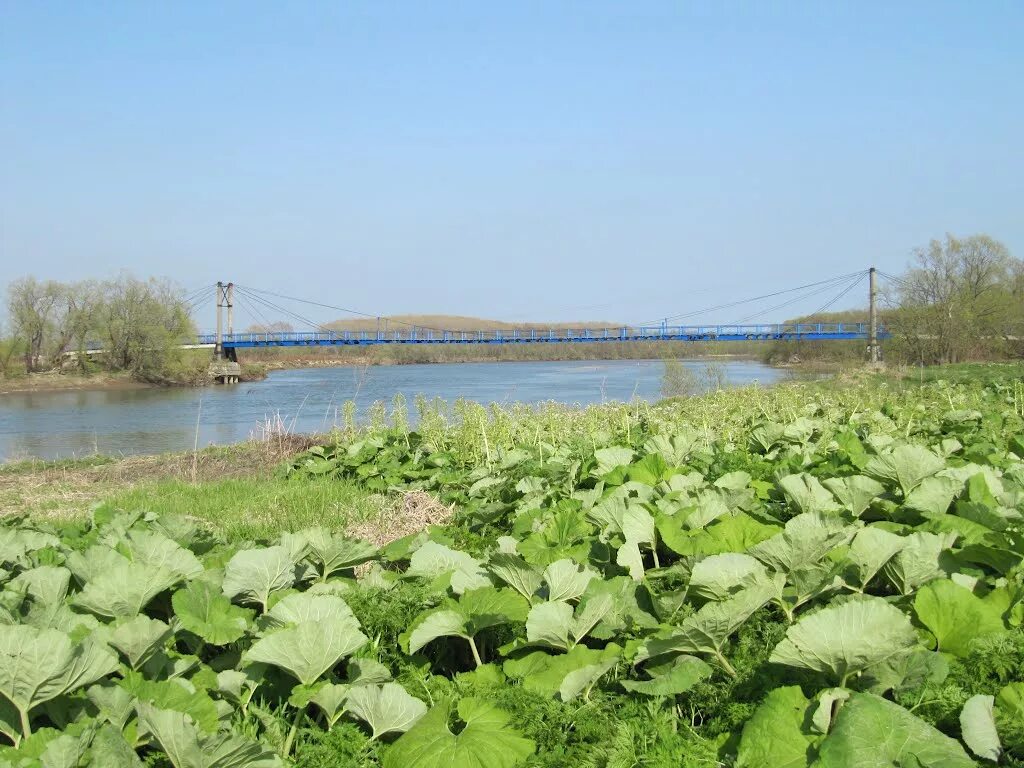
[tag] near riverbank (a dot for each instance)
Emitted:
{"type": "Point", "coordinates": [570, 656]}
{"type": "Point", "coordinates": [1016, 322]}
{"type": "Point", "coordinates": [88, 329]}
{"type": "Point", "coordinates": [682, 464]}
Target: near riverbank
{"type": "Point", "coordinates": [60, 381]}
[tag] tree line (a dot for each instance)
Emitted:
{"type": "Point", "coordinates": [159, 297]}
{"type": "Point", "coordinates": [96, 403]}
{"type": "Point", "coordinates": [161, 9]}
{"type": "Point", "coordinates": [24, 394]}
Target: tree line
{"type": "Point", "coordinates": [139, 324]}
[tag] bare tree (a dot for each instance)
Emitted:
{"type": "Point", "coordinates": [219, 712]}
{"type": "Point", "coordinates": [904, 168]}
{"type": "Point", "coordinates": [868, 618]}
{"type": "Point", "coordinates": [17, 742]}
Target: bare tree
{"type": "Point", "coordinates": [9, 348]}
{"type": "Point", "coordinates": [32, 306]}
{"type": "Point", "coordinates": [142, 323]}
{"type": "Point", "coordinates": [957, 297]}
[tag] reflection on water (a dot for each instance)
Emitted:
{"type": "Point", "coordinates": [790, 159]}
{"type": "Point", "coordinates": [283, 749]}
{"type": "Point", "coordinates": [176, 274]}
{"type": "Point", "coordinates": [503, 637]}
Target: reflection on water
{"type": "Point", "coordinates": [65, 424]}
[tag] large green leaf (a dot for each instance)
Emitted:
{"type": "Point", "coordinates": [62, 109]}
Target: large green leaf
{"type": "Point", "coordinates": [186, 747]}
{"type": "Point", "coordinates": [920, 560]}
{"type": "Point", "coordinates": [709, 628]}
{"type": "Point", "coordinates": [674, 450]}
{"type": "Point", "coordinates": [204, 611]}
{"type": "Point", "coordinates": [45, 585]}
{"type": "Point", "coordinates": [955, 615]}
{"type": "Point", "coordinates": [484, 741]}
{"type": "Point", "coordinates": [49, 748]}
{"type": "Point", "coordinates": [125, 588]}
{"type": "Point", "coordinates": [675, 677]}
{"type": "Point", "coordinates": [138, 638]}
{"type": "Point", "coordinates": [805, 493]}
{"type": "Point", "coordinates": [114, 703]}
{"type": "Point", "coordinates": [433, 560]}
{"type": "Point", "coordinates": [331, 553]}
{"type": "Point", "coordinates": [806, 539]}
{"type": "Point", "coordinates": [778, 734]}
{"type": "Point", "coordinates": [848, 638]}
{"type": "Point", "coordinates": [475, 611]}
{"type": "Point", "coordinates": [176, 694]}
{"type": "Point", "coordinates": [16, 543]}
{"type": "Point", "coordinates": [307, 650]}
{"type": "Point", "coordinates": [905, 467]}
{"type": "Point", "coordinates": [523, 577]}
{"type": "Point", "coordinates": [252, 575]}
{"type": "Point", "coordinates": [734, 533]}
{"type": "Point", "coordinates": [556, 625]}
{"type": "Point", "coordinates": [610, 458]}
{"type": "Point", "coordinates": [906, 672]}
{"type": "Point", "coordinates": [110, 748]}
{"type": "Point", "coordinates": [871, 549]}
{"type": "Point", "coordinates": [854, 493]}
{"type": "Point", "coordinates": [978, 727]}
{"type": "Point", "coordinates": [386, 708]}
{"type": "Point", "coordinates": [38, 665]}
{"type": "Point", "coordinates": [330, 699]}
{"type": "Point", "coordinates": [567, 580]}
{"type": "Point", "coordinates": [546, 673]}
{"type": "Point", "coordinates": [155, 549]}
{"type": "Point", "coordinates": [430, 625]}
{"type": "Point", "coordinates": [582, 680]}
{"type": "Point", "coordinates": [301, 607]}
{"type": "Point", "coordinates": [720, 576]}
{"type": "Point", "coordinates": [93, 562]}
{"type": "Point", "coordinates": [933, 496]}
{"type": "Point", "coordinates": [871, 732]}
{"type": "Point", "coordinates": [616, 603]}
{"type": "Point", "coordinates": [1011, 700]}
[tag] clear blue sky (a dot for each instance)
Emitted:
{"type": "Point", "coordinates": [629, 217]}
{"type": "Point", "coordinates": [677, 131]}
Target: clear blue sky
{"type": "Point", "coordinates": [522, 160]}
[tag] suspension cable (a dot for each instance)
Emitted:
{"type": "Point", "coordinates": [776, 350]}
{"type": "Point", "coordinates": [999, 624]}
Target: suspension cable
{"type": "Point", "coordinates": [304, 321]}
{"type": "Point", "coordinates": [824, 307]}
{"type": "Point", "coordinates": [801, 297]}
{"type": "Point", "coordinates": [829, 283]}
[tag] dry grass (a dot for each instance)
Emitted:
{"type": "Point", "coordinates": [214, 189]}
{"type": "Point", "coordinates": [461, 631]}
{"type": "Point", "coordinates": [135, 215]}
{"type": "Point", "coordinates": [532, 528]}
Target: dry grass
{"type": "Point", "coordinates": [416, 511]}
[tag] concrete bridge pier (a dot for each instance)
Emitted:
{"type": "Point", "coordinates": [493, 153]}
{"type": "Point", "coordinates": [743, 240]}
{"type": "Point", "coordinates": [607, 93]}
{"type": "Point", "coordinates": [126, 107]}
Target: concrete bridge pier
{"type": "Point", "coordinates": [225, 371]}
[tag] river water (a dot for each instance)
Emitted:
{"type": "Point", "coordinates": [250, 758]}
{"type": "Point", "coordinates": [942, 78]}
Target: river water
{"type": "Point", "coordinates": [114, 422]}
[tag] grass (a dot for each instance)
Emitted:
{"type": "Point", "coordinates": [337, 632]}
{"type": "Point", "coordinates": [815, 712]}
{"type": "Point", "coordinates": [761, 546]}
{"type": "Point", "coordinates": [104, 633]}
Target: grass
{"type": "Point", "coordinates": [961, 373]}
{"type": "Point", "coordinates": [71, 487]}
{"type": "Point", "coordinates": [234, 489]}
{"type": "Point", "coordinates": [244, 509]}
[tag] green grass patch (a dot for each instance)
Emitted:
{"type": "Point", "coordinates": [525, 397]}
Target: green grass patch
{"type": "Point", "coordinates": [251, 509]}
{"type": "Point", "coordinates": [29, 466]}
{"type": "Point", "coordinates": [963, 373]}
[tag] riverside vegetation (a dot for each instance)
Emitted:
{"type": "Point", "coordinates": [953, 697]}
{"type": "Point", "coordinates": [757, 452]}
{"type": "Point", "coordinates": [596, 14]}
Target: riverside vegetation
{"type": "Point", "coordinates": [814, 575]}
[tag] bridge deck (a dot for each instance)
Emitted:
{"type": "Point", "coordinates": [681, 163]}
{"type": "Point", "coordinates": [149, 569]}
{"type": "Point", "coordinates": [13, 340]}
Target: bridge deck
{"type": "Point", "coordinates": [774, 332]}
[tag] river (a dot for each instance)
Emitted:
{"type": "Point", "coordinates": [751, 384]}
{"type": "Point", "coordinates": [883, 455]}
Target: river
{"type": "Point", "coordinates": [66, 424]}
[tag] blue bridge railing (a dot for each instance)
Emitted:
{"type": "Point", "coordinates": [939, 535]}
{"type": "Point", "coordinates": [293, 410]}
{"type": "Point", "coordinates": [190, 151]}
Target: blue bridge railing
{"type": "Point", "coordinates": [414, 335]}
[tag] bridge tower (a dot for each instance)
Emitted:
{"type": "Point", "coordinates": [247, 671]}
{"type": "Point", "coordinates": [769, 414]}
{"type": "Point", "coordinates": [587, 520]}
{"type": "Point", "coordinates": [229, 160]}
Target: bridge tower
{"type": "Point", "coordinates": [874, 351]}
{"type": "Point", "coordinates": [225, 368]}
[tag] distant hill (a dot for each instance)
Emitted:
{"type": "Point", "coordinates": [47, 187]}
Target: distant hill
{"type": "Point", "coordinates": [845, 316]}
{"type": "Point", "coordinates": [456, 323]}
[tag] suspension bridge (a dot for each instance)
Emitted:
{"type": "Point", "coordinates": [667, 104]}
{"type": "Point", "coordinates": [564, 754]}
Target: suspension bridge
{"type": "Point", "coordinates": [225, 341]}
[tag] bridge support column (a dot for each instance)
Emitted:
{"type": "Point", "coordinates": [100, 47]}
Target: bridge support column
{"type": "Point", "coordinates": [218, 345]}
{"type": "Point", "coordinates": [873, 350]}
{"type": "Point", "coordinates": [225, 372]}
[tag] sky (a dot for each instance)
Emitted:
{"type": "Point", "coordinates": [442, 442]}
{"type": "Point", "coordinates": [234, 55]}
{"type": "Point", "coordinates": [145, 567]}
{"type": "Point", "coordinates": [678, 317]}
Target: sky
{"type": "Point", "coordinates": [617, 161]}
